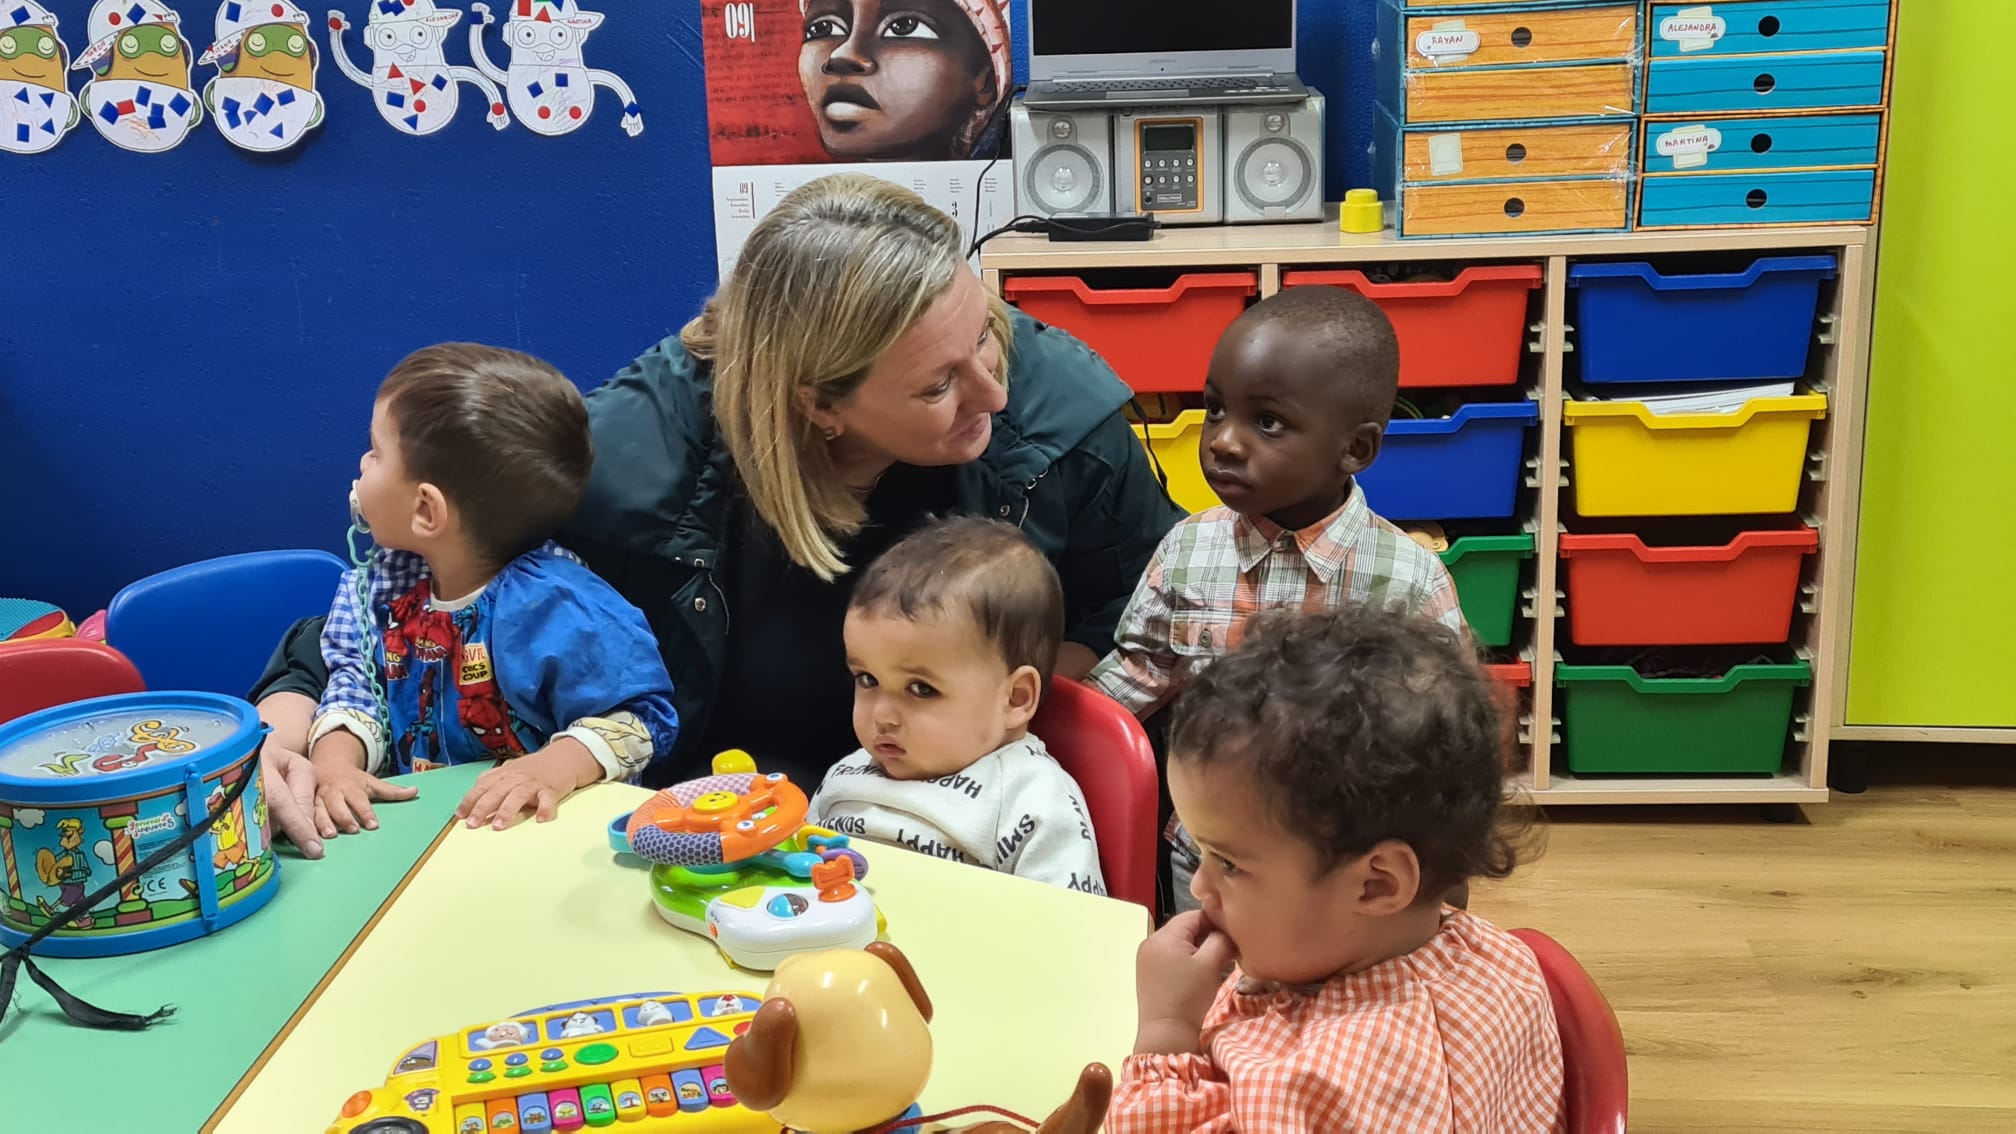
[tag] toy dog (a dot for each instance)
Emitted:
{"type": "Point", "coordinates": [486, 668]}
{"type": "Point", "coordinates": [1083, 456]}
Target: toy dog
{"type": "Point", "coordinates": [842, 1044]}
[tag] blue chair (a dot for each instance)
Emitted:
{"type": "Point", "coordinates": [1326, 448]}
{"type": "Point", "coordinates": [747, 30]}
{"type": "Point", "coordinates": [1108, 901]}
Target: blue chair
{"type": "Point", "coordinates": [212, 626]}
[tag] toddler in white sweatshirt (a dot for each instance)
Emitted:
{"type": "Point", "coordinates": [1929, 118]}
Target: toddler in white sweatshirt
{"type": "Point", "coordinates": [951, 637]}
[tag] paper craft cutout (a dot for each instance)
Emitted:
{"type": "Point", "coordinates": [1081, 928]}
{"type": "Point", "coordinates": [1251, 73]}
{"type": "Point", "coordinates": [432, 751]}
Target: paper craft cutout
{"type": "Point", "coordinates": [411, 81]}
{"type": "Point", "coordinates": [550, 88]}
{"type": "Point", "coordinates": [36, 106]}
{"type": "Point", "coordinates": [263, 97]}
{"type": "Point", "coordinates": [139, 95]}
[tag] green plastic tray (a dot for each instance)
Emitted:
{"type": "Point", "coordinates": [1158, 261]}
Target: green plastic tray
{"type": "Point", "coordinates": [1615, 720]}
{"type": "Point", "coordinates": [1485, 570]}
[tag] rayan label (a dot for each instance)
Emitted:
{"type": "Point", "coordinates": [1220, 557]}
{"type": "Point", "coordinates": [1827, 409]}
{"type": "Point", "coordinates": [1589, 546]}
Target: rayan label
{"type": "Point", "coordinates": [1443, 42]}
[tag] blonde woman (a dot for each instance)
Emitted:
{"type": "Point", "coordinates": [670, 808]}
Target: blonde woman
{"type": "Point", "coordinates": [849, 379]}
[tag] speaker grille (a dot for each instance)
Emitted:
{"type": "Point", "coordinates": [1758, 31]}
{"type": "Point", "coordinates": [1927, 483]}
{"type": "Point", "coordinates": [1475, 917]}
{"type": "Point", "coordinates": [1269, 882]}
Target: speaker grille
{"type": "Point", "coordinates": [1273, 173]}
{"type": "Point", "coordinates": [1062, 179]}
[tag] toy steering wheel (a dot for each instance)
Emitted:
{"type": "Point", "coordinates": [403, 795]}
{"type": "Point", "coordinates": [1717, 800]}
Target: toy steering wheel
{"type": "Point", "coordinates": [723, 818]}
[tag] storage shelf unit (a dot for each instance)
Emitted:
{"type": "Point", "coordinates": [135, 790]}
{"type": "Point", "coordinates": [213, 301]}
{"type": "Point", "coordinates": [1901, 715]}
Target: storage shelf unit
{"type": "Point", "coordinates": [1840, 372]}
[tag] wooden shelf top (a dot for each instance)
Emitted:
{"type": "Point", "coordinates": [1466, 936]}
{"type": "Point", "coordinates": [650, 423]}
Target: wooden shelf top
{"type": "Point", "coordinates": [1786, 787]}
{"type": "Point", "coordinates": [1320, 242]}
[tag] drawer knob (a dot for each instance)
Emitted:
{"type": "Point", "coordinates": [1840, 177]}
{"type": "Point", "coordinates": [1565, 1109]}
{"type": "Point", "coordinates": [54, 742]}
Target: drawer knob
{"type": "Point", "coordinates": [1522, 37]}
{"type": "Point", "coordinates": [1768, 26]}
{"type": "Point", "coordinates": [1760, 144]}
{"type": "Point", "coordinates": [1756, 198]}
{"type": "Point", "coordinates": [1515, 153]}
{"type": "Point", "coordinates": [1515, 208]}
{"type": "Point", "coordinates": [1765, 83]}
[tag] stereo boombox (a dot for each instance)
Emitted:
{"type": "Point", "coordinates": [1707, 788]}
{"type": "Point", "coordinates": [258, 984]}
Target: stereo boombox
{"type": "Point", "coordinates": [1187, 165]}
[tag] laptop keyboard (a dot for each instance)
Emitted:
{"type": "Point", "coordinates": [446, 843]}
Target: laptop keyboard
{"type": "Point", "coordinates": [1254, 83]}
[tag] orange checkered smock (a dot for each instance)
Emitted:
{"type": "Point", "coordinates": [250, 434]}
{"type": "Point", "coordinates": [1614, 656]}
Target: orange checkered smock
{"type": "Point", "coordinates": [1458, 1035]}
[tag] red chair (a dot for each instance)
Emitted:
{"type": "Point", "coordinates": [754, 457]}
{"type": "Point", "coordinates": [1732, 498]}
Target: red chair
{"type": "Point", "coordinates": [1596, 1083]}
{"type": "Point", "coordinates": [48, 672]}
{"type": "Point", "coordinates": [1104, 749]}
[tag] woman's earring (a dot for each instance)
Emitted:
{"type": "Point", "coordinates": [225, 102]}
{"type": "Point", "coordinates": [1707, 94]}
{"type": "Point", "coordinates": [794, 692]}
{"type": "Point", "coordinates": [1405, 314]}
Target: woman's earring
{"type": "Point", "coordinates": [832, 434]}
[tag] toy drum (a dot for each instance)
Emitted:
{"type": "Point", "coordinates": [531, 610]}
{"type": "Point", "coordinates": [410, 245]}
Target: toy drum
{"type": "Point", "coordinates": [90, 790]}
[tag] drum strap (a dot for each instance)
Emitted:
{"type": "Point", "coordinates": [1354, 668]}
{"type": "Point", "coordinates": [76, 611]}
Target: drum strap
{"type": "Point", "coordinates": [90, 1015]}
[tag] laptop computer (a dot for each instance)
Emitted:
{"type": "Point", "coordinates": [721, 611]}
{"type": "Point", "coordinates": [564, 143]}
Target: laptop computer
{"type": "Point", "coordinates": [1096, 53]}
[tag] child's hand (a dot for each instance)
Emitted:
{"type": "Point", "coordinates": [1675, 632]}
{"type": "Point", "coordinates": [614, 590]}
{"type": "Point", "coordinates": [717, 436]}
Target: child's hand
{"type": "Point", "coordinates": [539, 781]}
{"type": "Point", "coordinates": [344, 791]}
{"type": "Point", "coordinates": [1177, 972]}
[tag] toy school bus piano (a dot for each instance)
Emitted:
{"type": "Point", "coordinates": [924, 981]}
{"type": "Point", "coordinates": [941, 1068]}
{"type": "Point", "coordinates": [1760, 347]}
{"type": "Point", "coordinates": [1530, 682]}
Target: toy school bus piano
{"type": "Point", "coordinates": [647, 1062]}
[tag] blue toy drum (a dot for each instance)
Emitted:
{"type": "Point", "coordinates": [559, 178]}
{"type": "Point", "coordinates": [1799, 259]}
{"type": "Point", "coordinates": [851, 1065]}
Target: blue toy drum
{"type": "Point", "coordinates": [90, 790]}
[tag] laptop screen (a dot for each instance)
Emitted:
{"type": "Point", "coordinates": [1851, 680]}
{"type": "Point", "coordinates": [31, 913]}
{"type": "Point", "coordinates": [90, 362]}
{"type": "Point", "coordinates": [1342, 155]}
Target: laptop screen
{"type": "Point", "coordinates": [1136, 27]}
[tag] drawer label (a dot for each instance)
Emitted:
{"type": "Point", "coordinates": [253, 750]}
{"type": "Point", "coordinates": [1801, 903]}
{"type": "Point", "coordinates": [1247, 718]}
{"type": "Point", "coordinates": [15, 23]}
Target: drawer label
{"type": "Point", "coordinates": [1448, 42]}
{"type": "Point", "coordinates": [1445, 155]}
{"type": "Point", "coordinates": [1689, 146]}
{"type": "Point", "coordinates": [1694, 29]}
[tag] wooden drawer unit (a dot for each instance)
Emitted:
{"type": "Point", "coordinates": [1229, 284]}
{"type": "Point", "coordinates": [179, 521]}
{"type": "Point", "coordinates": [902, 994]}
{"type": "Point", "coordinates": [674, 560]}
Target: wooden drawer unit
{"type": "Point", "coordinates": [1767, 26]}
{"type": "Point", "coordinates": [1751, 84]}
{"type": "Point", "coordinates": [1514, 207]}
{"type": "Point", "coordinates": [1514, 38]}
{"type": "Point", "coordinates": [1728, 145]}
{"type": "Point", "coordinates": [1589, 149]}
{"type": "Point", "coordinates": [1590, 91]}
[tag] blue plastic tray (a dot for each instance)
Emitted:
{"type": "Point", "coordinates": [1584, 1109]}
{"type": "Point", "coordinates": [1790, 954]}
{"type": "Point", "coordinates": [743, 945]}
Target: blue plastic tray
{"type": "Point", "coordinates": [1634, 324]}
{"type": "Point", "coordinates": [1462, 467]}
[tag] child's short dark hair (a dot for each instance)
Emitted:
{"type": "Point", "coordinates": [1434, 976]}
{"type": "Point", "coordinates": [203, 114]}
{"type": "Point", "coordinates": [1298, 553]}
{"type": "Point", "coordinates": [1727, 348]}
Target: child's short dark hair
{"type": "Point", "coordinates": [503, 435]}
{"type": "Point", "coordinates": [1360, 725]}
{"type": "Point", "coordinates": [981, 568]}
{"type": "Point", "coordinates": [1350, 332]}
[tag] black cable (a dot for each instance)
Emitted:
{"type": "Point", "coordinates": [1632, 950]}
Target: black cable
{"type": "Point", "coordinates": [1154, 462]}
{"type": "Point", "coordinates": [1024, 222]}
{"type": "Point", "coordinates": [1000, 146]}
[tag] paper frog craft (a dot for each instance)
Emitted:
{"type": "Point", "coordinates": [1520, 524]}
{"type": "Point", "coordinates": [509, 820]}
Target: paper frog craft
{"type": "Point", "coordinates": [550, 88]}
{"type": "Point", "coordinates": [411, 81]}
{"type": "Point", "coordinates": [36, 107]}
{"type": "Point", "coordinates": [139, 96]}
{"type": "Point", "coordinates": [264, 96]}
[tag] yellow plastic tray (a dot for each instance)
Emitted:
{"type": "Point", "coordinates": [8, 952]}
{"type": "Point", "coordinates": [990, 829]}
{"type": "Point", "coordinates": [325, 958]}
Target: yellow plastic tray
{"type": "Point", "coordinates": [1174, 445]}
{"type": "Point", "coordinates": [1629, 461]}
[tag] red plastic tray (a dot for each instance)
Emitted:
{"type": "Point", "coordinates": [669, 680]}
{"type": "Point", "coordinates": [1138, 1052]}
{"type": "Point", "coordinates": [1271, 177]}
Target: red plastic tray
{"type": "Point", "coordinates": [1508, 678]}
{"type": "Point", "coordinates": [1623, 593]}
{"type": "Point", "coordinates": [1469, 331]}
{"type": "Point", "coordinates": [1159, 340]}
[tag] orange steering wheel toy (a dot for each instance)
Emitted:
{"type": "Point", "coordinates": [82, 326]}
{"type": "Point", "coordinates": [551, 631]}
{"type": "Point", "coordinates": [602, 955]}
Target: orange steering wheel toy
{"type": "Point", "coordinates": [732, 859]}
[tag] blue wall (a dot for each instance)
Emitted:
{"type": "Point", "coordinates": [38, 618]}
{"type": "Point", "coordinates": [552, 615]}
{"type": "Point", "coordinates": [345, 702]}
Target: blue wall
{"type": "Point", "coordinates": [189, 341]}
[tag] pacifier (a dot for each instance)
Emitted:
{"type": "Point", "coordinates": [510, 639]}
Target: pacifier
{"type": "Point", "coordinates": [357, 512]}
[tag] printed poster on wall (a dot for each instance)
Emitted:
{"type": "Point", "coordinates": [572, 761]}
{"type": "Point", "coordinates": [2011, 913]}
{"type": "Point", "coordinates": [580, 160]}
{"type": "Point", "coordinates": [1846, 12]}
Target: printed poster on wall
{"type": "Point", "coordinates": [916, 93]}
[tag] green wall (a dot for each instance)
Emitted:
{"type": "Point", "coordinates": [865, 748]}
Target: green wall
{"type": "Point", "coordinates": [1934, 635]}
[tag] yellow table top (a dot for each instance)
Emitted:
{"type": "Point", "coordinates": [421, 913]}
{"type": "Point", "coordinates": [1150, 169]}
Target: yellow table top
{"type": "Point", "coordinates": [1030, 982]}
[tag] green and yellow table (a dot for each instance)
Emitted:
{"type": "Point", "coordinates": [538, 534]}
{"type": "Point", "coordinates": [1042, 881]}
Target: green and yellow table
{"type": "Point", "coordinates": [397, 936]}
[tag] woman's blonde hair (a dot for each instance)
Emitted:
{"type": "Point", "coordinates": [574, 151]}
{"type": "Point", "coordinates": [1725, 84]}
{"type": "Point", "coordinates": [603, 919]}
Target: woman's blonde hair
{"type": "Point", "coordinates": [826, 283]}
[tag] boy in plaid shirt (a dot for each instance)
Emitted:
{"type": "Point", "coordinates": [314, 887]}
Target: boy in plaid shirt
{"type": "Point", "coordinates": [1340, 771]}
{"type": "Point", "coordinates": [1296, 402]}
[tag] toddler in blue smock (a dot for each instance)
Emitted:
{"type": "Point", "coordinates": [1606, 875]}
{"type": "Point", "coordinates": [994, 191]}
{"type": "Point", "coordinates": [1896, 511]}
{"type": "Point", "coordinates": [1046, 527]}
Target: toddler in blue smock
{"type": "Point", "coordinates": [470, 636]}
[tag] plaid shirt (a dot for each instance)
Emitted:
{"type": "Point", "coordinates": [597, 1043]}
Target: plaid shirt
{"type": "Point", "coordinates": [1217, 569]}
{"type": "Point", "coordinates": [392, 573]}
{"type": "Point", "coordinates": [1457, 1036]}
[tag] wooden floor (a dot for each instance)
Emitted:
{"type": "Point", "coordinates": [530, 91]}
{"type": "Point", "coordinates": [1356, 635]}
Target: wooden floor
{"type": "Point", "coordinates": [1855, 971]}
